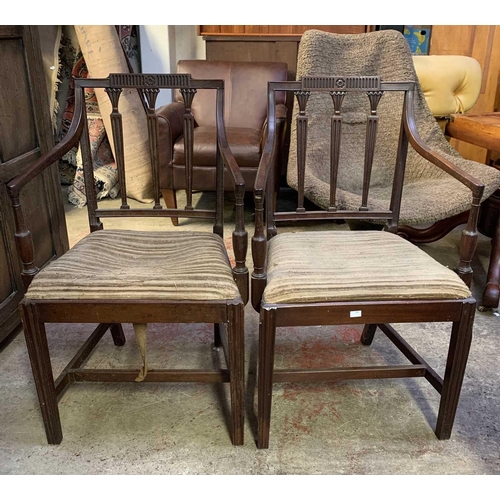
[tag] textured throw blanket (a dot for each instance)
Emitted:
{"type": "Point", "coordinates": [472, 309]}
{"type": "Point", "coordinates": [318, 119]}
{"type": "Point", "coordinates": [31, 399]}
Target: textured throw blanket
{"type": "Point", "coordinates": [429, 193]}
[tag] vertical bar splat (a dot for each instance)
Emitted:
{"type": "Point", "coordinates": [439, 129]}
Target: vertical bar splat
{"type": "Point", "coordinates": [302, 98]}
{"type": "Point", "coordinates": [371, 135]}
{"type": "Point", "coordinates": [88, 170]}
{"type": "Point", "coordinates": [117, 128]}
{"type": "Point", "coordinates": [188, 95]}
{"type": "Point", "coordinates": [399, 173]}
{"type": "Point", "coordinates": [153, 134]}
{"type": "Point", "coordinates": [336, 129]}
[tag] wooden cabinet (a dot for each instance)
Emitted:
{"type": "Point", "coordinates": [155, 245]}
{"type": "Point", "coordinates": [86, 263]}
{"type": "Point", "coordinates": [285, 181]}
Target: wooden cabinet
{"type": "Point", "coordinates": [263, 43]}
{"type": "Point", "coordinates": [278, 30]}
{"type": "Point", "coordinates": [25, 134]}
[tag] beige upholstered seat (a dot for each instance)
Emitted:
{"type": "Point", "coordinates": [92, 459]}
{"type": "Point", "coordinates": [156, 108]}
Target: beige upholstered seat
{"type": "Point", "coordinates": [330, 266]}
{"type": "Point", "coordinates": [116, 264]}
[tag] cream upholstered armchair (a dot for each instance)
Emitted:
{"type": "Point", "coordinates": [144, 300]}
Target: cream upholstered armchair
{"type": "Point", "coordinates": [451, 84]}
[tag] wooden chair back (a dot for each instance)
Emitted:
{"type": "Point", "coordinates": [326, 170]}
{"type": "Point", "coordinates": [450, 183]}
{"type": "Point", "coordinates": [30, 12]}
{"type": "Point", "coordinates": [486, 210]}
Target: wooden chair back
{"type": "Point", "coordinates": [338, 88]}
{"type": "Point", "coordinates": [148, 87]}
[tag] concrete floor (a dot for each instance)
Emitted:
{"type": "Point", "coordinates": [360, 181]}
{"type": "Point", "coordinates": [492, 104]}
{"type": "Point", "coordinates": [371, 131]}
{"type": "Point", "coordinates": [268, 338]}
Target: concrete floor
{"type": "Point", "coordinates": [352, 427]}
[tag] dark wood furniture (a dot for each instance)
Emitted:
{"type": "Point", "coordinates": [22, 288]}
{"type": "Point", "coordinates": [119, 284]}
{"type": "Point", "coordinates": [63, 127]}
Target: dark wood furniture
{"type": "Point", "coordinates": [245, 113]}
{"type": "Point", "coordinates": [25, 135]}
{"type": "Point", "coordinates": [73, 296]}
{"type": "Point", "coordinates": [483, 130]}
{"type": "Point", "coordinates": [374, 311]}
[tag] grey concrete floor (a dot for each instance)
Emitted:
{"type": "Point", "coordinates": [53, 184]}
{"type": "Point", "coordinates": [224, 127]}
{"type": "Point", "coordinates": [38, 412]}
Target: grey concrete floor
{"type": "Point", "coordinates": [351, 427]}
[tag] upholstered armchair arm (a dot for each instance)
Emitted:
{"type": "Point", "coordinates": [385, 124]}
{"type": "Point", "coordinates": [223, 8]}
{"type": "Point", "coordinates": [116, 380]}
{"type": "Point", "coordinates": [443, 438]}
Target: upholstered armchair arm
{"type": "Point", "coordinates": [171, 128]}
{"type": "Point", "coordinates": [468, 241]}
{"type": "Point", "coordinates": [281, 112]}
{"type": "Point", "coordinates": [24, 240]}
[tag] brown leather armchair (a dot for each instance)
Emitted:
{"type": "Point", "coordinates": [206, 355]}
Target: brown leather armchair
{"type": "Point", "coordinates": [246, 124]}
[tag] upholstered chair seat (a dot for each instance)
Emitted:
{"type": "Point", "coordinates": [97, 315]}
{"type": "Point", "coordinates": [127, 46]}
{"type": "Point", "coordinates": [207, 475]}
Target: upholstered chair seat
{"type": "Point", "coordinates": [336, 266]}
{"type": "Point", "coordinates": [120, 264]}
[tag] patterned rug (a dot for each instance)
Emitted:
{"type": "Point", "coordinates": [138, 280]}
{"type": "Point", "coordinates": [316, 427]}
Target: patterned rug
{"type": "Point", "coordinates": [71, 166]}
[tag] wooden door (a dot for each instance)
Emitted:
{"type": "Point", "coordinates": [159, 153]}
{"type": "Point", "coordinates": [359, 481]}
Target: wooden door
{"type": "Point", "coordinates": [25, 134]}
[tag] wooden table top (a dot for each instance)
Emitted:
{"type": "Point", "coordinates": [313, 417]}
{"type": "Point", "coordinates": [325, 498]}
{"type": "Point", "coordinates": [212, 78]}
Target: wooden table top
{"type": "Point", "coordinates": [480, 129]}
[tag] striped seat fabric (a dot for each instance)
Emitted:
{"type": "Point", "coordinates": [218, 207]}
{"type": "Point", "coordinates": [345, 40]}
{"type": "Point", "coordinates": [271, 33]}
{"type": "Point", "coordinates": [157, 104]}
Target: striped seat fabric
{"type": "Point", "coordinates": [117, 264]}
{"type": "Point", "coordinates": [331, 266]}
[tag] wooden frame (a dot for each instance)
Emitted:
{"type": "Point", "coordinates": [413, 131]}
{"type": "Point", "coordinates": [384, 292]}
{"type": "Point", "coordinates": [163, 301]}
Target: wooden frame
{"type": "Point", "coordinates": [226, 315]}
{"type": "Point", "coordinates": [376, 314]}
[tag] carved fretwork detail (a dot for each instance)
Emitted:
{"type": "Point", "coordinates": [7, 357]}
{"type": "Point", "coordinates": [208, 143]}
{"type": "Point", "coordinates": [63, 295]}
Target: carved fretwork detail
{"type": "Point", "coordinates": [302, 98]}
{"type": "Point", "coordinates": [337, 98]}
{"type": "Point", "coordinates": [114, 97]}
{"type": "Point", "coordinates": [141, 80]}
{"type": "Point", "coordinates": [188, 96]}
{"type": "Point", "coordinates": [374, 100]}
{"type": "Point", "coordinates": [371, 83]}
{"type": "Point", "coordinates": [151, 95]}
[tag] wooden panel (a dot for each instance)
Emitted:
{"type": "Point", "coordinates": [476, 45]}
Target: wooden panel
{"type": "Point", "coordinates": [257, 29]}
{"type": "Point", "coordinates": [15, 103]}
{"type": "Point", "coordinates": [232, 29]}
{"type": "Point", "coordinates": [279, 30]}
{"type": "Point", "coordinates": [6, 287]}
{"type": "Point", "coordinates": [24, 109]}
{"type": "Point", "coordinates": [481, 43]}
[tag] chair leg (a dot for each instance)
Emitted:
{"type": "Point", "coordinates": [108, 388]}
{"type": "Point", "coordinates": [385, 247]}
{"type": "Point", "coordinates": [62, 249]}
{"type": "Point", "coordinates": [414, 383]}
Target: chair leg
{"type": "Point", "coordinates": [171, 202]}
{"type": "Point", "coordinates": [461, 337]}
{"type": "Point", "coordinates": [368, 334]}
{"type": "Point", "coordinates": [267, 335]}
{"type": "Point", "coordinates": [217, 338]}
{"type": "Point", "coordinates": [236, 348]}
{"type": "Point", "coordinates": [38, 350]}
{"type": "Point", "coordinates": [117, 334]}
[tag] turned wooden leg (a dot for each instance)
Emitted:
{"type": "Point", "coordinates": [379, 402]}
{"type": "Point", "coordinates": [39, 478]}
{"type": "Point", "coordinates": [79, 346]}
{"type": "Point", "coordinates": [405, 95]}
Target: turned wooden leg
{"type": "Point", "coordinates": [171, 201]}
{"type": "Point", "coordinates": [117, 334]}
{"type": "Point", "coordinates": [368, 334]}
{"type": "Point", "coordinates": [461, 336]}
{"type": "Point", "coordinates": [267, 335]}
{"type": "Point", "coordinates": [491, 292]}
{"type": "Point", "coordinates": [236, 348]}
{"type": "Point", "coordinates": [38, 350]}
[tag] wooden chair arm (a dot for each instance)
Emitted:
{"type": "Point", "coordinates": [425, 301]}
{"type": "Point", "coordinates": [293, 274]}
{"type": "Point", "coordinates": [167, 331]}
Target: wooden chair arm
{"type": "Point", "coordinates": [468, 242]}
{"type": "Point", "coordinates": [23, 237]}
{"type": "Point", "coordinates": [71, 138]}
{"type": "Point", "coordinates": [476, 186]}
{"type": "Point", "coordinates": [240, 234]}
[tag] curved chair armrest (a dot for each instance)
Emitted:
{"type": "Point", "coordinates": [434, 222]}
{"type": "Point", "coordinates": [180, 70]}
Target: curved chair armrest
{"type": "Point", "coordinates": [70, 140]}
{"type": "Point", "coordinates": [240, 234]}
{"type": "Point", "coordinates": [259, 239]}
{"type": "Point", "coordinates": [468, 242]}
{"type": "Point", "coordinates": [24, 240]}
{"type": "Point", "coordinates": [476, 186]}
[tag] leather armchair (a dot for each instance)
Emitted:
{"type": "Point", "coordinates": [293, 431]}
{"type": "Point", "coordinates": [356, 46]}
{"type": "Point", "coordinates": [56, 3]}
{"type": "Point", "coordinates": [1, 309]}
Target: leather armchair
{"type": "Point", "coordinates": [246, 124]}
